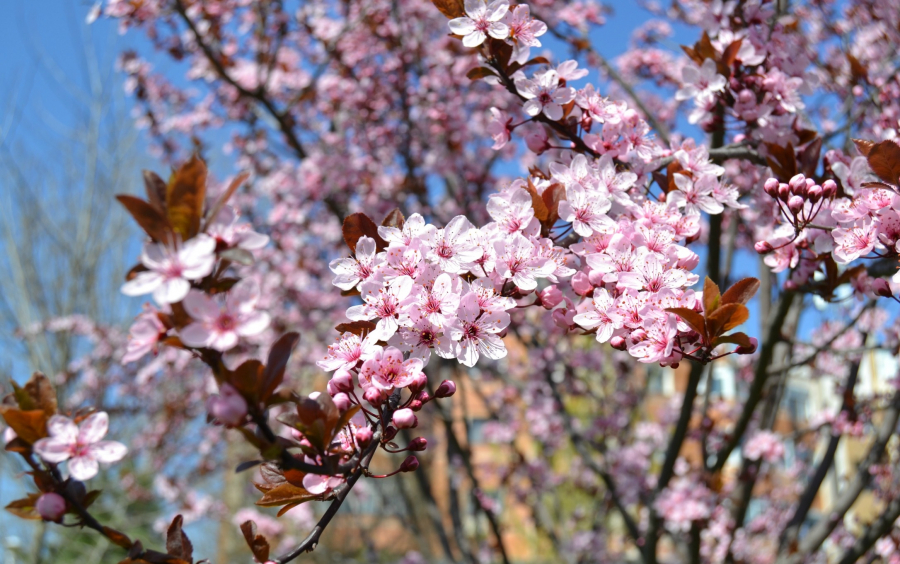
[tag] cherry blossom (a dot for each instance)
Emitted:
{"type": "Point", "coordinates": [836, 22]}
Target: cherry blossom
{"type": "Point", "coordinates": [220, 325]}
{"type": "Point", "coordinates": [481, 19]}
{"type": "Point", "coordinates": [352, 272]}
{"type": "Point", "coordinates": [81, 445]}
{"type": "Point", "coordinates": [476, 331]}
{"type": "Point", "coordinates": [170, 268]}
{"type": "Point", "coordinates": [387, 370]}
{"type": "Point", "coordinates": [385, 302]}
{"type": "Point", "coordinates": [544, 94]}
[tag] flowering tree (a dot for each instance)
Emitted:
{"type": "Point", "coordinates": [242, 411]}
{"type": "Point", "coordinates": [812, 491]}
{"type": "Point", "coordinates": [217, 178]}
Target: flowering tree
{"type": "Point", "coordinates": [570, 276]}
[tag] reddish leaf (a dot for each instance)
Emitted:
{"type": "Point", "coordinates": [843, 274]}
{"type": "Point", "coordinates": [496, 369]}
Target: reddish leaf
{"type": "Point", "coordinates": [359, 225]}
{"type": "Point", "coordinates": [541, 212]}
{"type": "Point", "coordinates": [501, 50]}
{"type": "Point", "coordinates": [283, 494]}
{"type": "Point", "coordinates": [156, 190]}
{"type": "Point", "coordinates": [863, 146]}
{"type": "Point", "coordinates": [279, 354]}
{"type": "Point", "coordinates": [24, 508]}
{"type": "Point", "coordinates": [479, 73]}
{"type": "Point", "coordinates": [287, 508]}
{"type": "Point", "coordinates": [42, 393]}
{"type": "Point", "coordinates": [782, 161]}
{"type": "Point", "coordinates": [185, 195]}
{"type": "Point", "coordinates": [691, 317]}
{"type": "Point", "coordinates": [361, 328]}
{"type": "Point", "coordinates": [729, 56]}
{"type": "Point", "coordinates": [30, 426]}
{"type": "Point", "coordinates": [552, 196]}
{"type": "Point", "coordinates": [177, 543]}
{"type": "Point", "coordinates": [148, 217]}
{"type": "Point", "coordinates": [809, 157]}
{"type": "Point", "coordinates": [394, 219]}
{"type": "Point", "coordinates": [710, 297]}
{"type": "Point", "coordinates": [857, 70]}
{"type": "Point", "coordinates": [259, 546]}
{"type": "Point", "coordinates": [450, 8]}
{"type": "Point", "coordinates": [118, 538]}
{"type": "Point", "coordinates": [739, 339]}
{"type": "Point", "coordinates": [741, 291]}
{"type": "Point", "coordinates": [884, 159]}
{"type": "Point", "coordinates": [247, 379]}
{"type": "Point", "coordinates": [725, 318]}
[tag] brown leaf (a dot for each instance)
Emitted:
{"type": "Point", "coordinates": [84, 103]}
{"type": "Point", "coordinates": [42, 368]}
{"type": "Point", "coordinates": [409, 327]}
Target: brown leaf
{"type": "Point", "coordinates": [541, 212]}
{"type": "Point", "coordinates": [42, 393]}
{"type": "Point", "coordinates": [359, 225]}
{"type": "Point", "coordinates": [185, 195]}
{"type": "Point", "coordinates": [857, 70]}
{"type": "Point", "coordinates": [177, 543]}
{"type": "Point", "coordinates": [884, 159]}
{"type": "Point", "coordinates": [863, 146]}
{"type": "Point", "coordinates": [809, 157]}
{"type": "Point", "coordinates": [741, 291]}
{"type": "Point", "coordinates": [151, 220]}
{"type": "Point", "coordinates": [501, 50]}
{"type": "Point", "coordinates": [156, 191]}
{"type": "Point", "coordinates": [287, 508]}
{"type": "Point", "coordinates": [726, 318]}
{"type": "Point", "coordinates": [279, 354]}
{"type": "Point", "coordinates": [24, 508]}
{"type": "Point", "coordinates": [479, 73]}
{"type": "Point", "coordinates": [739, 339]}
{"type": "Point", "coordinates": [782, 161]}
{"type": "Point", "coordinates": [450, 8]}
{"type": "Point", "coordinates": [259, 546]}
{"type": "Point", "coordinates": [247, 379]}
{"type": "Point", "coordinates": [118, 538]}
{"type": "Point", "coordinates": [361, 328]}
{"type": "Point", "coordinates": [729, 56]}
{"type": "Point", "coordinates": [394, 219]}
{"type": "Point", "coordinates": [283, 494]}
{"type": "Point", "coordinates": [691, 317]}
{"type": "Point", "coordinates": [30, 426]}
{"type": "Point", "coordinates": [552, 196]}
{"type": "Point", "coordinates": [223, 199]}
{"type": "Point", "coordinates": [710, 297]}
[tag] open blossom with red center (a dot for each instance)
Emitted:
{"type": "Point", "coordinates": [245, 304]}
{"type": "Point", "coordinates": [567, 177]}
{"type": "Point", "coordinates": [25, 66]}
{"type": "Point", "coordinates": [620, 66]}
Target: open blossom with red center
{"type": "Point", "coordinates": [384, 301]}
{"type": "Point", "coordinates": [219, 325]}
{"type": "Point", "coordinates": [348, 351]}
{"type": "Point", "coordinates": [387, 370]}
{"type": "Point", "coordinates": [81, 445]}
{"type": "Point", "coordinates": [476, 331]}
{"type": "Point", "coordinates": [352, 272]}
{"type": "Point", "coordinates": [481, 19]}
{"type": "Point", "coordinates": [171, 267]}
{"type": "Point", "coordinates": [544, 94]}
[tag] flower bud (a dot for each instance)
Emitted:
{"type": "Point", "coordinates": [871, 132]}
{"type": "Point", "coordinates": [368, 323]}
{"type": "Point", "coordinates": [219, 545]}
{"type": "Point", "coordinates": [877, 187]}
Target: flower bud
{"type": "Point", "coordinates": [446, 389]}
{"type": "Point", "coordinates": [342, 381]}
{"type": "Point", "coordinates": [227, 407]}
{"type": "Point", "coordinates": [829, 188]}
{"type": "Point", "coordinates": [763, 247]}
{"type": "Point", "coordinates": [342, 401]}
{"type": "Point", "coordinates": [415, 405]}
{"type": "Point", "coordinates": [881, 287]}
{"type": "Point", "coordinates": [746, 96]}
{"type": "Point", "coordinates": [754, 344]}
{"type": "Point", "coordinates": [814, 194]}
{"type": "Point", "coordinates": [405, 419]}
{"type": "Point", "coordinates": [423, 397]}
{"type": "Point", "coordinates": [795, 204]}
{"type": "Point", "coordinates": [374, 397]}
{"type": "Point", "coordinates": [364, 437]}
{"type": "Point", "coordinates": [419, 382]}
{"type": "Point", "coordinates": [796, 183]}
{"type": "Point", "coordinates": [418, 444]}
{"type": "Point", "coordinates": [551, 297]}
{"type": "Point", "coordinates": [581, 284]}
{"type": "Point", "coordinates": [559, 318]}
{"type": "Point", "coordinates": [410, 464]}
{"type": "Point", "coordinates": [771, 187]}
{"type": "Point", "coordinates": [618, 343]}
{"type": "Point", "coordinates": [51, 507]}
{"type": "Point", "coordinates": [784, 192]}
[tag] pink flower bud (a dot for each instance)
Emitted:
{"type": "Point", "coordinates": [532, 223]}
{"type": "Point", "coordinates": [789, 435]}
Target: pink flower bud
{"type": "Point", "coordinates": [228, 407]}
{"type": "Point", "coordinates": [423, 396]}
{"type": "Point", "coordinates": [419, 382]}
{"type": "Point", "coordinates": [771, 187]}
{"type": "Point", "coordinates": [405, 419]}
{"type": "Point", "coordinates": [746, 97]}
{"type": "Point", "coordinates": [446, 389]}
{"type": "Point", "coordinates": [689, 261]}
{"type": "Point", "coordinates": [881, 287]}
{"type": "Point", "coordinates": [814, 194]}
{"type": "Point", "coordinates": [410, 464]}
{"type": "Point", "coordinates": [581, 284]}
{"type": "Point", "coordinates": [374, 397]}
{"type": "Point", "coordinates": [418, 444]}
{"type": "Point", "coordinates": [537, 141]}
{"type": "Point", "coordinates": [559, 318]}
{"type": "Point", "coordinates": [795, 204]}
{"type": "Point", "coordinates": [618, 343]}
{"type": "Point", "coordinates": [364, 437]}
{"type": "Point", "coordinates": [784, 192]}
{"type": "Point", "coordinates": [797, 182]}
{"type": "Point", "coordinates": [342, 401]}
{"type": "Point", "coordinates": [343, 381]}
{"type": "Point", "coordinates": [51, 507]}
{"type": "Point", "coordinates": [754, 344]}
{"type": "Point", "coordinates": [415, 405]}
{"type": "Point", "coordinates": [763, 247]}
{"type": "Point", "coordinates": [829, 188]}
{"type": "Point", "coordinates": [551, 297]}
{"type": "Point", "coordinates": [329, 387]}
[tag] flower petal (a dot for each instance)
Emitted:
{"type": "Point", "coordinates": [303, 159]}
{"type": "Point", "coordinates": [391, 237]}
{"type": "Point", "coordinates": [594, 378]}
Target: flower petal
{"type": "Point", "coordinates": [108, 451]}
{"type": "Point", "coordinates": [83, 468]}
{"type": "Point", "coordinates": [93, 428]}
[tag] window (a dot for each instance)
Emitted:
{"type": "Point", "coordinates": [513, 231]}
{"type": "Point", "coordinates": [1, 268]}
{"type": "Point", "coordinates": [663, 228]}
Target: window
{"type": "Point", "coordinates": [795, 403]}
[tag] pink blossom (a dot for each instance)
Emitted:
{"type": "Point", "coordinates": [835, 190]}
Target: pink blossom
{"type": "Point", "coordinates": [387, 370]}
{"type": "Point", "coordinates": [545, 95]}
{"type": "Point", "coordinates": [586, 211]}
{"type": "Point", "coordinates": [80, 445]}
{"type": "Point", "coordinates": [404, 419]}
{"type": "Point", "coordinates": [348, 351]}
{"type": "Point", "coordinates": [352, 272]}
{"type": "Point", "coordinates": [476, 331]}
{"type": "Point", "coordinates": [220, 326]}
{"type": "Point", "coordinates": [523, 32]}
{"type": "Point", "coordinates": [517, 261]}
{"type": "Point", "coordinates": [414, 229]}
{"type": "Point", "coordinates": [499, 128]}
{"type": "Point", "coordinates": [144, 335]}
{"type": "Point", "coordinates": [170, 268]}
{"type": "Point", "coordinates": [438, 304]}
{"type": "Point", "coordinates": [386, 303]}
{"type": "Point", "coordinates": [226, 230]}
{"type": "Point", "coordinates": [857, 241]}
{"type": "Point", "coordinates": [653, 275]}
{"type": "Point", "coordinates": [700, 83]}
{"type": "Point", "coordinates": [764, 445]}
{"type": "Point", "coordinates": [481, 19]}
{"type": "Point", "coordinates": [452, 247]}
{"type": "Point", "coordinates": [601, 314]}
{"type": "Point", "coordinates": [228, 406]}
